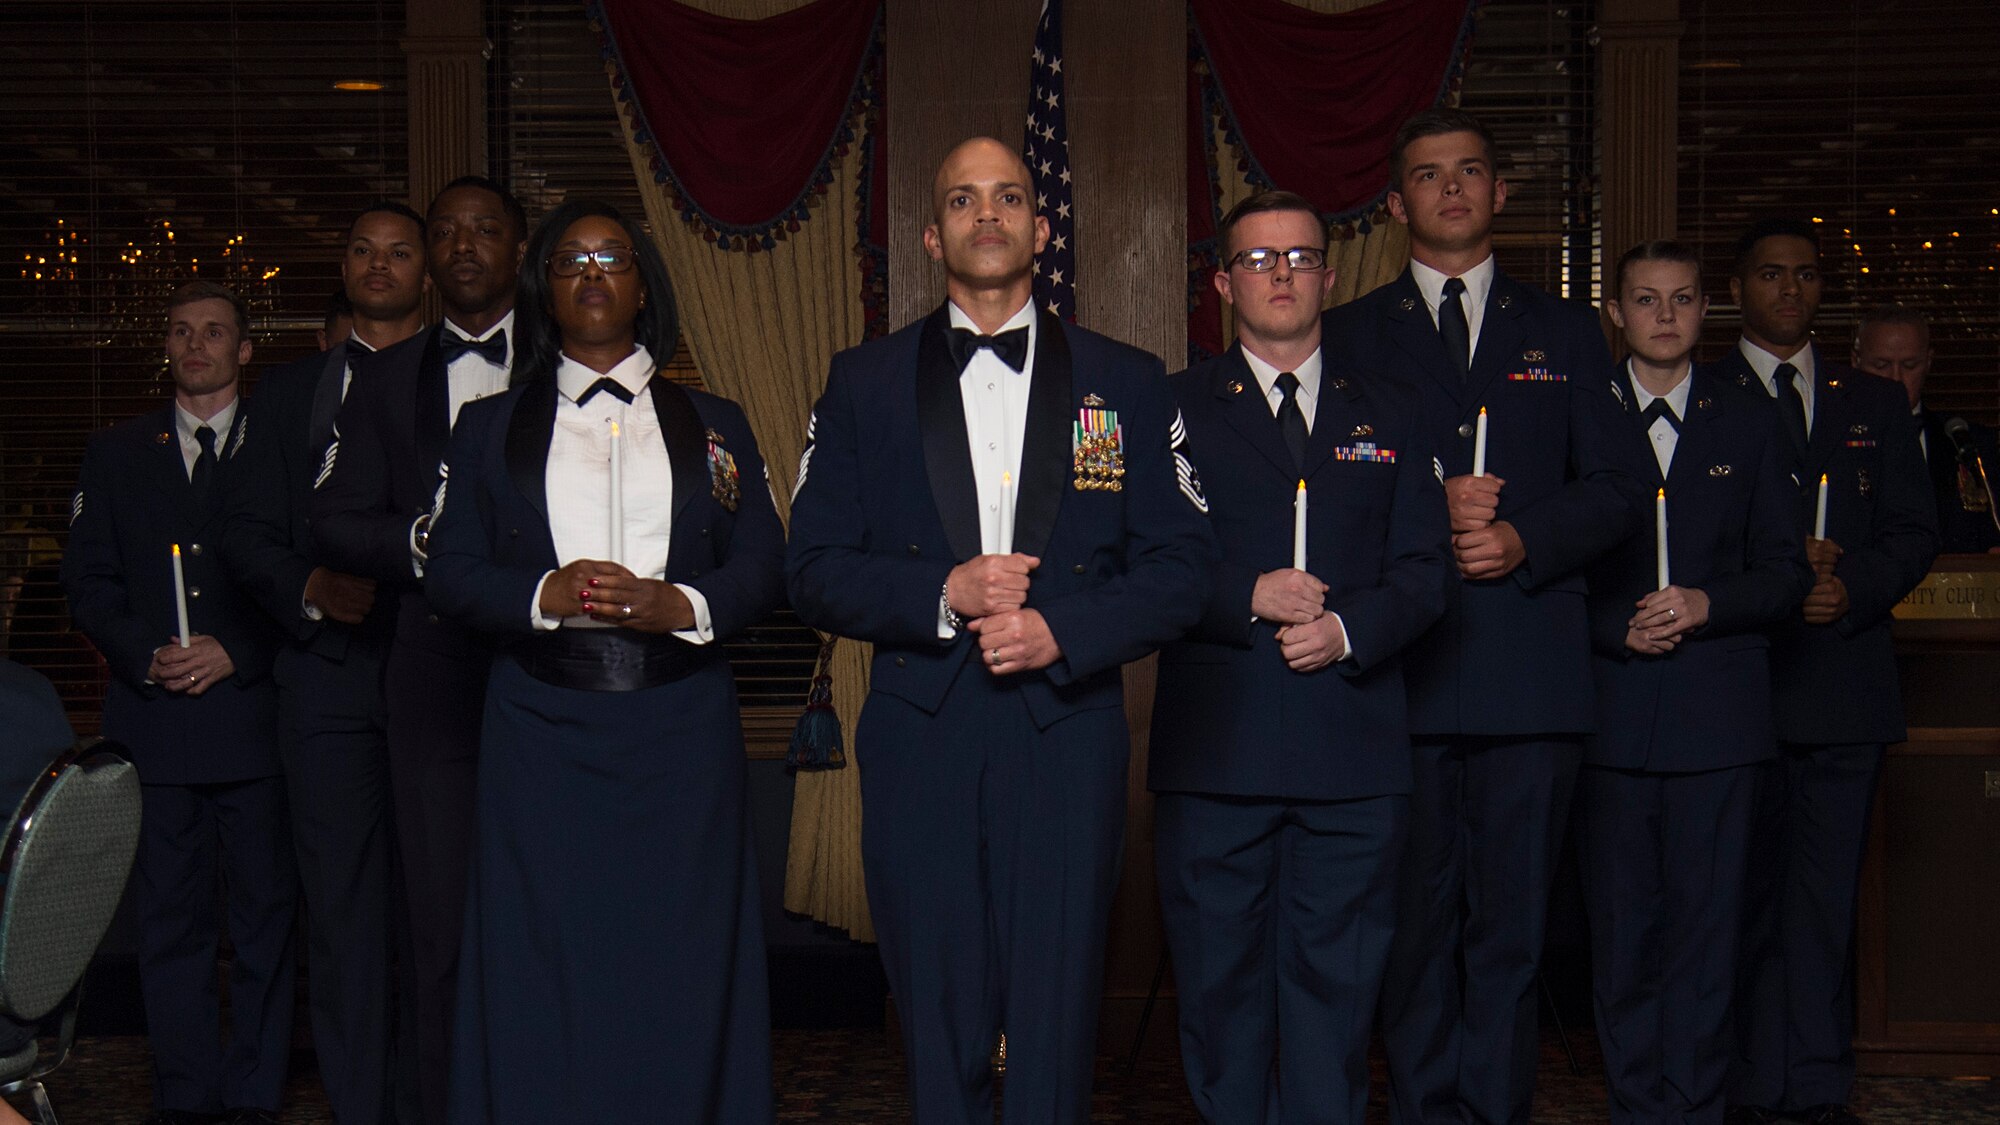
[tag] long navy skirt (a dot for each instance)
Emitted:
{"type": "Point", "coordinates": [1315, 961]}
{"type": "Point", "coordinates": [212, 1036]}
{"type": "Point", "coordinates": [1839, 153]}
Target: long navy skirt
{"type": "Point", "coordinates": [613, 968]}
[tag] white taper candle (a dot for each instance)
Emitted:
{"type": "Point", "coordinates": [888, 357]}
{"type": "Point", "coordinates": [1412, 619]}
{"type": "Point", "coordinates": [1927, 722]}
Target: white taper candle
{"type": "Point", "coordinates": [617, 539]}
{"type": "Point", "coordinates": [1479, 445]}
{"type": "Point", "coordinates": [1660, 537]}
{"type": "Point", "coordinates": [181, 597]}
{"type": "Point", "coordinates": [1819, 510]}
{"type": "Point", "coordinates": [1006, 536]}
{"type": "Point", "coordinates": [1299, 528]}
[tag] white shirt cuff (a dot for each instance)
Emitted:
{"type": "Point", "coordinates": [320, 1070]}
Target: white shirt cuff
{"type": "Point", "coordinates": [542, 622]}
{"type": "Point", "coordinates": [1345, 636]}
{"type": "Point", "coordinates": [704, 628]}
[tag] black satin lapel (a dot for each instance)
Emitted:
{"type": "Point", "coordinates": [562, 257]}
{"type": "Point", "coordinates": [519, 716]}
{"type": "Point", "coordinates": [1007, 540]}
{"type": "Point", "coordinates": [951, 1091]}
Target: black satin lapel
{"type": "Point", "coordinates": [947, 453]}
{"type": "Point", "coordinates": [1249, 413]}
{"type": "Point", "coordinates": [1335, 417]}
{"type": "Point", "coordinates": [1046, 445]}
{"type": "Point", "coordinates": [433, 406]}
{"type": "Point", "coordinates": [686, 438]}
{"type": "Point", "coordinates": [326, 399]}
{"type": "Point", "coordinates": [529, 432]}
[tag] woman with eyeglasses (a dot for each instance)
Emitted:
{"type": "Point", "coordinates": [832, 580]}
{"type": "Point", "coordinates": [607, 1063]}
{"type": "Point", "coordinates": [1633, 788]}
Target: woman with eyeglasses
{"type": "Point", "coordinates": [609, 528]}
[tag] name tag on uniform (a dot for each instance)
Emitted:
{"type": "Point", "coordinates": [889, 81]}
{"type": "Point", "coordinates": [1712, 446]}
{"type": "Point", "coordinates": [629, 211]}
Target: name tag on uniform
{"type": "Point", "coordinates": [1364, 451]}
{"type": "Point", "coordinates": [1537, 375]}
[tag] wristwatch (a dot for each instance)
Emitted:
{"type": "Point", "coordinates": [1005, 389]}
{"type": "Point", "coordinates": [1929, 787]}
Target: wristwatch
{"type": "Point", "coordinates": [420, 537]}
{"type": "Point", "coordinates": [949, 614]}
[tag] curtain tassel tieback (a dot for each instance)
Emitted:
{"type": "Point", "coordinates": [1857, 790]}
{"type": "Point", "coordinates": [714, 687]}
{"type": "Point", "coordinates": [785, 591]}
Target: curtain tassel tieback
{"type": "Point", "coordinates": [816, 743]}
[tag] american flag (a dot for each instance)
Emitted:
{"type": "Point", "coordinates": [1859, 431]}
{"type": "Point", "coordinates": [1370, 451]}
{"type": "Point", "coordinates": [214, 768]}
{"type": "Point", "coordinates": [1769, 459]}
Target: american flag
{"type": "Point", "coordinates": [1046, 151]}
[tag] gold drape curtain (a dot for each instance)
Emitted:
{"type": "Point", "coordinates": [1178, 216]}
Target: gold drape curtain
{"type": "Point", "coordinates": [762, 328]}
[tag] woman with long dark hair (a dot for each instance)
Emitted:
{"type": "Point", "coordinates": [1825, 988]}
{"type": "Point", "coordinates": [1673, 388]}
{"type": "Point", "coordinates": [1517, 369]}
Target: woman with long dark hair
{"type": "Point", "coordinates": [608, 528]}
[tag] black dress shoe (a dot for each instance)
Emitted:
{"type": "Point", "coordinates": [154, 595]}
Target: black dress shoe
{"type": "Point", "coordinates": [1749, 1115]}
{"type": "Point", "coordinates": [247, 1116]}
{"type": "Point", "coordinates": [1829, 1114]}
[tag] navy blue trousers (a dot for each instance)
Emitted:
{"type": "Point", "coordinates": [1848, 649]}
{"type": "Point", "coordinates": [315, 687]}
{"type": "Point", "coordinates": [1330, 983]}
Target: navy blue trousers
{"type": "Point", "coordinates": [1278, 915]}
{"type": "Point", "coordinates": [1663, 858]}
{"type": "Point", "coordinates": [991, 850]}
{"type": "Point", "coordinates": [1795, 995]}
{"type": "Point", "coordinates": [435, 706]}
{"type": "Point", "coordinates": [332, 740]}
{"type": "Point", "coordinates": [1458, 1011]}
{"type": "Point", "coordinates": [188, 834]}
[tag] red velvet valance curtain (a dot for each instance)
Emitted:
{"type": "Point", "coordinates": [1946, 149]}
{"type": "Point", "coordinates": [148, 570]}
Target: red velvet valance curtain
{"type": "Point", "coordinates": [1309, 102]}
{"type": "Point", "coordinates": [743, 118]}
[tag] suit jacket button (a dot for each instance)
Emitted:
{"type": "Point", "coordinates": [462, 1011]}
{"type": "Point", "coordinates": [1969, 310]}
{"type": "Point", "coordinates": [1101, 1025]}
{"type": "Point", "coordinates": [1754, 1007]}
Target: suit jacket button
{"type": "Point", "coordinates": [914, 550]}
{"type": "Point", "coordinates": [694, 574]}
{"type": "Point", "coordinates": [432, 618]}
{"type": "Point", "coordinates": [514, 531]}
{"type": "Point", "coordinates": [194, 549]}
{"type": "Point", "coordinates": [899, 662]}
{"type": "Point", "coordinates": [704, 533]}
{"type": "Point", "coordinates": [194, 591]}
{"type": "Point", "coordinates": [1465, 430]}
{"type": "Point", "coordinates": [1077, 569]}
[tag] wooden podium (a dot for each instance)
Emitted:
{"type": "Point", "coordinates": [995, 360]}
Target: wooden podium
{"type": "Point", "coordinates": [1928, 946]}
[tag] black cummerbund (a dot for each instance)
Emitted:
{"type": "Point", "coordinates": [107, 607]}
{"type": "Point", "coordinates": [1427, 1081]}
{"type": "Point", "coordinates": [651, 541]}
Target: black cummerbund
{"type": "Point", "coordinates": [609, 659]}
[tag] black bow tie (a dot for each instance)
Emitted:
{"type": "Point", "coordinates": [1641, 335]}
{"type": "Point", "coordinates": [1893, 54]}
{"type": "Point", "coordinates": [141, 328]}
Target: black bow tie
{"type": "Point", "coordinates": [1010, 346]}
{"type": "Point", "coordinates": [354, 349]}
{"type": "Point", "coordinates": [1657, 409]}
{"type": "Point", "coordinates": [609, 386]}
{"type": "Point", "coordinates": [493, 349]}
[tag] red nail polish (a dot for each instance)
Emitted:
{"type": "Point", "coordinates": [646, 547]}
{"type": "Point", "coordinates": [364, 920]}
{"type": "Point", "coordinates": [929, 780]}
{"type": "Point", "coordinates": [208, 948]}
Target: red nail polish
{"type": "Point", "coordinates": [593, 582]}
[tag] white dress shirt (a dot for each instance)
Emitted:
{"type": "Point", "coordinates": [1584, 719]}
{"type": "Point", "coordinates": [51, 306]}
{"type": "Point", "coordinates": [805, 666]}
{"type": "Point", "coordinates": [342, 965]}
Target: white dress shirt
{"type": "Point", "coordinates": [1663, 434]}
{"type": "Point", "coordinates": [470, 376]}
{"type": "Point", "coordinates": [1766, 366]}
{"type": "Point", "coordinates": [995, 397]}
{"type": "Point", "coordinates": [578, 479]}
{"type": "Point", "coordinates": [186, 424]}
{"type": "Point", "coordinates": [1308, 376]}
{"type": "Point", "coordinates": [347, 372]}
{"type": "Point", "coordinates": [1478, 283]}
{"type": "Point", "coordinates": [996, 416]}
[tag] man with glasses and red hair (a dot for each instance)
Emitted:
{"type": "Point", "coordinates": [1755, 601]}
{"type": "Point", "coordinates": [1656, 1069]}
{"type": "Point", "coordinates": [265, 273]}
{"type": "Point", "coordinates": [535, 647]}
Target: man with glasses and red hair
{"type": "Point", "coordinates": [1281, 747]}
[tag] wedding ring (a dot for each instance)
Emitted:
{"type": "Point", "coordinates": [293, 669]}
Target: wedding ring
{"type": "Point", "coordinates": [1670, 612]}
{"type": "Point", "coordinates": [628, 611]}
{"type": "Point", "coordinates": [993, 657]}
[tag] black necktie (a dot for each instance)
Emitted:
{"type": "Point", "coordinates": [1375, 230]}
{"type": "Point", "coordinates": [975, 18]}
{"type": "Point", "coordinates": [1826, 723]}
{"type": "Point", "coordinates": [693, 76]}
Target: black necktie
{"type": "Point", "coordinates": [1451, 325]}
{"type": "Point", "coordinates": [609, 386]}
{"type": "Point", "coordinates": [1658, 409]}
{"type": "Point", "coordinates": [493, 349]}
{"type": "Point", "coordinates": [203, 476]}
{"type": "Point", "coordinates": [1792, 406]}
{"type": "Point", "coordinates": [1291, 419]}
{"type": "Point", "coordinates": [1010, 346]}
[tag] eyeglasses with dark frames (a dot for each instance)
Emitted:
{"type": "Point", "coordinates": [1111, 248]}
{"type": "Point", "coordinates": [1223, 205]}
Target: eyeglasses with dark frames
{"type": "Point", "coordinates": [1264, 259]}
{"type": "Point", "coordinates": [611, 259]}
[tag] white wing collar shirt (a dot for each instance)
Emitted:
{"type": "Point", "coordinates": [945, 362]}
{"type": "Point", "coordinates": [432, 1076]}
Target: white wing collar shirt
{"type": "Point", "coordinates": [579, 484]}
{"type": "Point", "coordinates": [995, 397]}
{"type": "Point", "coordinates": [470, 376]}
{"type": "Point", "coordinates": [1478, 283]}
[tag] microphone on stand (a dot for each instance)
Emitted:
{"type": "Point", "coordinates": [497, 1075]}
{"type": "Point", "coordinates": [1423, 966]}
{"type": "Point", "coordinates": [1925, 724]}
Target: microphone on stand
{"type": "Point", "coordinates": [1969, 460]}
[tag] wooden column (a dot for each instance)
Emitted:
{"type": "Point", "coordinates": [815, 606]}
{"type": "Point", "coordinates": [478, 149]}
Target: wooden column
{"type": "Point", "coordinates": [961, 69]}
{"type": "Point", "coordinates": [1639, 91]}
{"type": "Point", "coordinates": [446, 49]}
